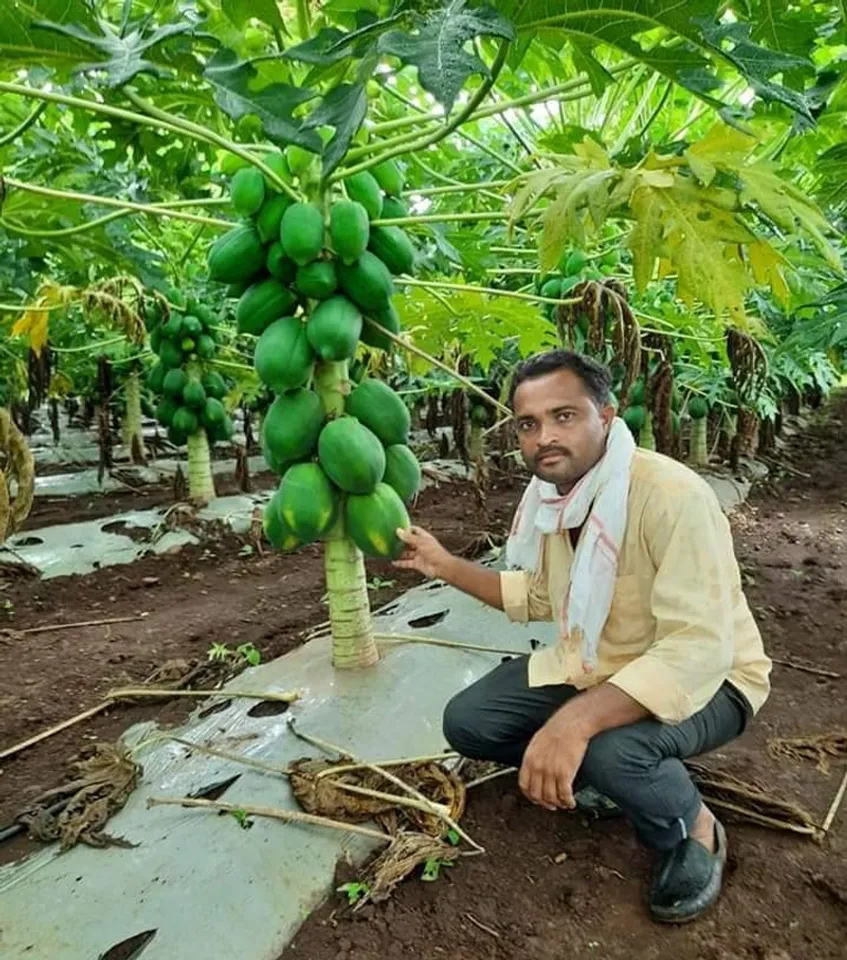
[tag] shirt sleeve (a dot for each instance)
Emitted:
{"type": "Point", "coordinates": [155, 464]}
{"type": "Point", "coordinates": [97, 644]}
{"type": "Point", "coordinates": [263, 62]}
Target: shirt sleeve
{"type": "Point", "coordinates": [691, 602]}
{"type": "Point", "coordinates": [525, 596]}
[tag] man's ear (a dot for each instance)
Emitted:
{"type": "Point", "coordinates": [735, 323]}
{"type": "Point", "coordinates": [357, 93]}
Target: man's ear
{"type": "Point", "coordinates": [607, 415]}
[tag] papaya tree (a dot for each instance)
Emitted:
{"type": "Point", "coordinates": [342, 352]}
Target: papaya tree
{"type": "Point", "coordinates": [314, 127]}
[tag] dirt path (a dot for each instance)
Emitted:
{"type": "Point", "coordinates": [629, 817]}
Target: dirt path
{"type": "Point", "coordinates": [218, 591]}
{"type": "Point", "coordinates": [785, 897]}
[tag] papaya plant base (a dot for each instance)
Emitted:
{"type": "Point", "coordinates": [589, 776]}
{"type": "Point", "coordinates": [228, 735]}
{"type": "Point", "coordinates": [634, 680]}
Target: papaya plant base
{"type": "Point", "coordinates": [244, 893]}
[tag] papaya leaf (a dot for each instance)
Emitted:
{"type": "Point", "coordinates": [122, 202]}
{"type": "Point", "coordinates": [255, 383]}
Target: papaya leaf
{"type": "Point", "coordinates": [438, 51]}
{"type": "Point", "coordinates": [565, 137]}
{"type": "Point", "coordinates": [722, 146]}
{"type": "Point", "coordinates": [633, 27]}
{"type": "Point", "coordinates": [464, 249]}
{"type": "Point", "coordinates": [786, 206]}
{"type": "Point", "coordinates": [585, 61]}
{"type": "Point", "coordinates": [240, 11]}
{"type": "Point", "coordinates": [757, 64]}
{"type": "Point", "coordinates": [767, 265]}
{"type": "Point", "coordinates": [330, 44]}
{"type": "Point", "coordinates": [532, 186]}
{"type": "Point", "coordinates": [783, 26]}
{"type": "Point", "coordinates": [698, 239]}
{"type": "Point", "coordinates": [476, 323]}
{"type": "Point", "coordinates": [274, 105]}
{"type": "Point", "coordinates": [123, 52]}
{"type": "Point", "coordinates": [565, 218]}
{"type": "Point", "coordinates": [23, 44]}
{"type": "Point", "coordinates": [34, 322]}
{"type": "Point", "coordinates": [343, 108]}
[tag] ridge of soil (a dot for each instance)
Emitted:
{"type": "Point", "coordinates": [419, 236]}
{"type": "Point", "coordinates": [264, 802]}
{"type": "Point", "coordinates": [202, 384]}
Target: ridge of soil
{"type": "Point", "coordinates": [554, 886]}
{"type": "Point", "coordinates": [194, 596]}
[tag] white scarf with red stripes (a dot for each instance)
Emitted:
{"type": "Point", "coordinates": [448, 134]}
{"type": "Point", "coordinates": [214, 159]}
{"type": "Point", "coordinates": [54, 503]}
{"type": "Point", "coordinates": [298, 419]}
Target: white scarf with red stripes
{"type": "Point", "coordinates": [597, 503]}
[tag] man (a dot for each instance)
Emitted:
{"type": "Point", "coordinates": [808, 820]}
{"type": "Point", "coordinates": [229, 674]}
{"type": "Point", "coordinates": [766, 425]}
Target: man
{"type": "Point", "coordinates": [658, 657]}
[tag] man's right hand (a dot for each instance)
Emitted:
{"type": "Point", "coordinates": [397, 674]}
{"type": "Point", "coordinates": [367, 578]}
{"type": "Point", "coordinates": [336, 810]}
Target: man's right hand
{"type": "Point", "coordinates": [423, 553]}
{"type": "Point", "coordinates": [426, 555]}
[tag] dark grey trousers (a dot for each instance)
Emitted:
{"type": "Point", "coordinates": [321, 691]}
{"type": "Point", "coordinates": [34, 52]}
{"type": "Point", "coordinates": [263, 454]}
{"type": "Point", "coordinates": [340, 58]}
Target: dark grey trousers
{"type": "Point", "coordinates": [638, 766]}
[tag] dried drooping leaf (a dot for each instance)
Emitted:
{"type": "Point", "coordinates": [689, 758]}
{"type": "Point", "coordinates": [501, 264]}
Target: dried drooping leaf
{"type": "Point", "coordinates": [316, 793]}
{"type": "Point", "coordinates": [820, 748]}
{"type": "Point", "coordinates": [103, 777]}
{"type": "Point", "coordinates": [16, 463]}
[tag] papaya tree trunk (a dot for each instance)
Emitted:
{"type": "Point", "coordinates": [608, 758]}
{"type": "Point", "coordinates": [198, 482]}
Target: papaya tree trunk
{"type": "Point", "coordinates": [699, 454]}
{"type": "Point", "coordinates": [353, 643]}
{"type": "Point", "coordinates": [646, 438]}
{"type": "Point", "coordinates": [54, 421]}
{"type": "Point", "coordinates": [133, 435]}
{"type": "Point", "coordinates": [201, 485]}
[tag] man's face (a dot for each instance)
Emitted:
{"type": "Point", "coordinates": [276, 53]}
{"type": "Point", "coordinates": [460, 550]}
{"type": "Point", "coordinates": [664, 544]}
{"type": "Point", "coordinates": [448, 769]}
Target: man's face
{"type": "Point", "coordinates": [562, 432]}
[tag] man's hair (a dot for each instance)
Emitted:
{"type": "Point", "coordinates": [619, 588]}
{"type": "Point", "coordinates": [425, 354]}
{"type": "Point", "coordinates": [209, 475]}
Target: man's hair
{"type": "Point", "coordinates": [595, 377]}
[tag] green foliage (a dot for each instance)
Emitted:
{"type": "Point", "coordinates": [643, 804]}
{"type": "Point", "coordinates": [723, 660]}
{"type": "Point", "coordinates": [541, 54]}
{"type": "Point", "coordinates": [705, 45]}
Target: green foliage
{"type": "Point", "coordinates": [233, 81]}
{"type": "Point", "coordinates": [684, 220]}
{"type": "Point", "coordinates": [475, 323]}
{"type": "Point", "coordinates": [124, 51]}
{"type": "Point", "coordinates": [438, 48]}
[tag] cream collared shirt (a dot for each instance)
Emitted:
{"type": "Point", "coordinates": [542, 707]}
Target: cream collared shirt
{"type": "Point", "coordinates": [679, 625]}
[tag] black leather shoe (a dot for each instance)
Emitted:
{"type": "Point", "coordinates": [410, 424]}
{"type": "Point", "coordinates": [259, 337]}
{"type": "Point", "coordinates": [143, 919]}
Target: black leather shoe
{"type": "Point", "coordinates": [688, 880]}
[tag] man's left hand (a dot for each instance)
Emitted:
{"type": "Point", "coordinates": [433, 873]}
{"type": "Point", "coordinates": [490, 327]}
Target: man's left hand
{"type": "Point", "coordinates": [551, 762]}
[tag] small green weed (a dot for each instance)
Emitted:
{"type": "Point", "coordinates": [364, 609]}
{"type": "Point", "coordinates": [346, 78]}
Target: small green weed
{"type": "Point", "coordinates": [247, 652]}
{"type": "Point", "coordinates": [355, 891]}
{"type": "Point", "coordinates": [242, 818]}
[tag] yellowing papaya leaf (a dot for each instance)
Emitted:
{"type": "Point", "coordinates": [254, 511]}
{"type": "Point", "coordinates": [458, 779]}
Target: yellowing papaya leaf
{"type": "Point", "coordinates": [565, 217]}
{"type": "Point", "coordinates": [695, 238]}
{"type": "Point", "coordinates": [33, 325]}
{"type": "Point", "coordinates": [532, 186]}
{"type": "Point", "coordinates": [787, 206]}
{"type": "Point", "coordinates": [767, 266]}
{"type": "Point", "coordinates": [722, 146]}
{"type": "Point", "coordinates": [703, 169]}
{"type": "Point", "coordinates": [592, 154]}
{"type": "Point", "coordinates": [661, 179]}
{"type": "Point", "coordinates": [647, 236]}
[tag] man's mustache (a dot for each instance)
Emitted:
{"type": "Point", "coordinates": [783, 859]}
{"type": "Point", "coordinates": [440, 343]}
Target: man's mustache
{"type": "Point", "coordinates": [547, 451]}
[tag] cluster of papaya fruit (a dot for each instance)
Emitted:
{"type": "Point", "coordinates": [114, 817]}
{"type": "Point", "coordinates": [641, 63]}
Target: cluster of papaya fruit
{"type": "Point", "coordinates": [357, 466]}
{"type": "Point", "coordinates": [191, 392]}
{"type": "Point", "coordinates": [308, 277]}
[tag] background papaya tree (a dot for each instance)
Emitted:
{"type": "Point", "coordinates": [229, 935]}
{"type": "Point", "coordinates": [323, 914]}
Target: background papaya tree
{"type": "Point", "coordinates": [139, 98]}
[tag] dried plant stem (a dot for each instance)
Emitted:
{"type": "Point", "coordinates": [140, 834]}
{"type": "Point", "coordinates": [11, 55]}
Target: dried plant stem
{"type": "Point", "coordinates": [433, 641]}
{"type": "Point", "coordinates": [80, 624]}
{"type": "Point", "coordinates": [290, 696]}
{"type": "Point", "coordinates": [411, 802]}
{"type": "Point", "coordinates": [58, 728]}
{"type": "Point", "coordinates": [836, 803]}
{"type": "Point", "coordinates": [490, 776]}
{"type": "Point", "coordinates": [817, 671]}
{"type": "Point", "coordinates": [234, 757]}
{"type": "Point", "coordinates": [753, 817]}
{"type": "Point", "coordinates": [274, 813]}
{"type": "Point", "coordinates": [402, 762]}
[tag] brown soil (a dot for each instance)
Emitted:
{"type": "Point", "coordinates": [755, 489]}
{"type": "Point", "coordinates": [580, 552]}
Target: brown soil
{"type": "Point", "coordinates": [785, 897]}
{"type": "Point", "coordinates": [193, 598]}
